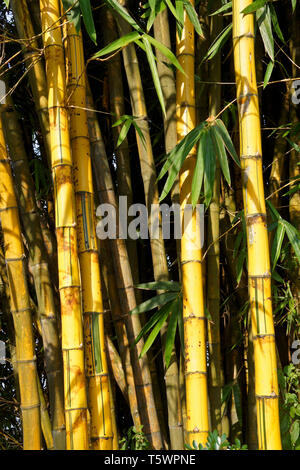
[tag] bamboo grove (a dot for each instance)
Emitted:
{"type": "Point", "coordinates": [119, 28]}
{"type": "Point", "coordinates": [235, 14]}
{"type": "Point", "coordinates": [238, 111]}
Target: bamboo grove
{"type": "Point", "coordinates": [122, 125]}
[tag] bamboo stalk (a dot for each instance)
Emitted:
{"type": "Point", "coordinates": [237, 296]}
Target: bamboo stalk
{"type": "Point", "coordinates": [65, 220]}
{"type": "Point", "coordinates": [266, 385]}
{"type": "Point", "coordinates": [197, 423]}
{"type": "Point", "coordinates": [142, 378]}
{"type": "Point", "coordinates": [39, 267]}
{"type": "Point", "coordinates": [19, 304]}
{"type": "Point", "coordinates": [216, 379]}
{"type": "Point", "coordinates": [36, 74]}
{"type": "Point", "coordinates": [96, 363]}
{"type": "Point", "coordinates": [159, 260]}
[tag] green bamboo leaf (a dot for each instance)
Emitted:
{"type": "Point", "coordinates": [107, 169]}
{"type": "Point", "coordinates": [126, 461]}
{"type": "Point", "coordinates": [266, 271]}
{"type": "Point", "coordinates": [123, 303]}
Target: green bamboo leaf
{"type": "Point", "coordinates": [254, 6]}
{"type": "Point", "coordinates": [221, 153]}
{"type": "Point", "coordinates": [149, 325]}
{"type": "Point", "coordinates": [209, 166]}
{"type": "Point", "coordinates": [160, 285]}
{"type": "Point", "coordinates": [152, 336]}
{"type": "Point", "coordinates": [275, 23]}
{"type": "Point", "coordinates": [124, 13]}
{"type": "Point", "coordinates": [174, 11]}
{"type": "Point", "coordinates": [275, 214]}
{"type": "Point", "coordinates": [237, 243]}
{"type": "Point", "coordinates": [294, 4]}
{"type": "Point", "coordinates": [227, 140]}
{"type": "Point", "coordinates": [180, 324]}
{"type": "Point", "coordinates": [198, 174]}
{"type": "Point", "coordinates": [154, 73]}
{"type": "Point", "coordinates": [263, 18]}
{"type": "Point", "coordinates": [140, 132]}
{"type": "Point", "coordinates": [87, 15]}
{"type": "Point", "coordinates": [171, 332]}
{"type": "Point", "coordinates": [225, 7]}
{"type": "Point", "coordinates": [166, 52]}
{"type": "Point", "coordinates": [218, 43]}
{"type": "Point", "coordinates": [268, 73]}
{"type": "Point", "coordinates": [118, 44]}
{"type": "Point", "coordinates": [192, 14]}
{"type": "Point", "coordinates": [295, 431]}
{"type": "Point", "coordinates": [6, 3]}
{"type": "Point", "coordinates": [240, 263]}
{"type": "Point", "coordinates": [124, 132]}
{"type": "Point", "coordinates": [277, 244]}
{"type": "Point", "coordinates": [177, 157]}
{"type": "Point", "coordinates": [156, 301]}
{"type": "Point", "coordinates": [293, 236]}
{"type": "Point", "coordinates": [238, 402]}
{"type": "Point", "coordinates": [152, 5]}
{"type": "Point", "coordinates": [73, 9]}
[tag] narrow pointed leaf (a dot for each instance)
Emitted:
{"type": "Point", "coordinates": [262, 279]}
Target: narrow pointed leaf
{"type": "Point", "coordinates": [225, 7]}
{"type": "Point", "coordinates": [277, 244]}
{"type": "Point", "coordinates": [221, 153]}
{"type": "Point", "coordinates": [165, 51]}
{"type": "Point", "coordinates": [160, 285]}
{"type": "Point", "coordinates": [218, 43]}
{"type": "Point", "coordinates": [174, 11]}
{"type": "Point", "coordinates": [268, 73]}
{"type": "Point", "coordinates": [254, 6]}
{"type": "Point", "coordinates": [124, 13]}
{"type": "Point", "coordinates": [263, 17]}
{"type": "Point", "coordinates": [118, 43]}
{"type": "Point", "coordinates": [124, 132]}
{"type": "Point", "coordinates": [150, 324]}
{"type": "Point", "coordinates": [171, 332]}
{"type": "Point", "coordinates": [86, 10]}
{"type": "Point", "coordinates": [154, 73]}
{"type": "Point", "coordinates": [156, 301]}
{"type": "Point", "coordinates": [152, 336]}
{"type": "Point", "coordinates": [294, 237]}
{"type": "Point", "coordinates": [275, 23]}
{"type": "Point", "coordinates": [227, 140]}
{"type": "Point", "coordinates": [209, 166]}
{"type": "Point", "coordinates": [192, 14]}
{"type": "Point", "coordinates": [198, 174]}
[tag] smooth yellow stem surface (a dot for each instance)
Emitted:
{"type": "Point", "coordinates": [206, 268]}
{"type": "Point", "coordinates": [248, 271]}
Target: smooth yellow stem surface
{"type": "Point", "coordinates": [266, 385]}
{"type": "Point", "coordinates": [96, 363]}
{"type": "Point", "coordinates": [197, 424]}
{"type": "Point", "coordinates": [65, 220]}
{"type": "Point", "coordinates": [19, 304]}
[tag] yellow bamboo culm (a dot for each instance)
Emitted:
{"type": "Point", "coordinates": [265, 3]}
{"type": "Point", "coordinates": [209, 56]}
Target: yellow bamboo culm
{"type": "Point", "coordinates": [65, 221]}
{"type": "Point", "coordinates": [266, 385]}
{"type": "Point", "coordinates": [19, 304]}
{"type": "Point", "coordinates": [197, 424]}
{"type": "Point", "coordinates": [96, 363]}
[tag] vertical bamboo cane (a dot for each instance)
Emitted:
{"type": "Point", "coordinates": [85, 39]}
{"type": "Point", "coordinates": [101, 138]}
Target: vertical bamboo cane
{"type": "Point", "coordinates": [197, 423]}
{"type": "Point", "coordinates": [65, 220]}
{"type": "Point", "coordinates": [20, 304]}
{"type": "Point", "coordinates": [39, 266]}
{"type": "Point", "coordinates": [96, 363]}
{"type": "Point", "coordinates": [266, 385]}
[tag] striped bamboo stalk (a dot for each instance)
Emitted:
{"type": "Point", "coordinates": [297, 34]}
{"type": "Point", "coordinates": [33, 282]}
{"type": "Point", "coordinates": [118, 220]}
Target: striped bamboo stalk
{"type": "Point", "coordinates": [197, 422]}
{"type": "Point", "coordinates": [19, 303]}
{"type": "Point", "coordinates": [266, 385]}
{"type": "Point", "coordinates": [65, 220]}
{"type": "Point", "coordinates": [96, 363]}
{"type": "Point", "coordinates": [38, 263]}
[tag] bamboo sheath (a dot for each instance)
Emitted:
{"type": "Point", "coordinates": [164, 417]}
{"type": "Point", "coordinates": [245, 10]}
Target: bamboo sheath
{"type": "Point", "coordinates": [65, 220]}
{"type": "Point", "coordinates": [96, 363]}
{"type": "Point", "coordinates": [39, 267]}
{"type": "Point", "coordinates": [266, 385]}
{"type": "Point", "coordinates": [19, 304]}
{"type": "Point", "coordinates": [36, 74]}
{"type": "Point", "coordinates": [197, 423]}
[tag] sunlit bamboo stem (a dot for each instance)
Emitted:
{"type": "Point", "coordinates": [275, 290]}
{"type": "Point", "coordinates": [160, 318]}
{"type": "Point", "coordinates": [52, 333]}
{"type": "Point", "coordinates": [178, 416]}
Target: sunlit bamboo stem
{"type": "Point", "coordinates": [266, 385]}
